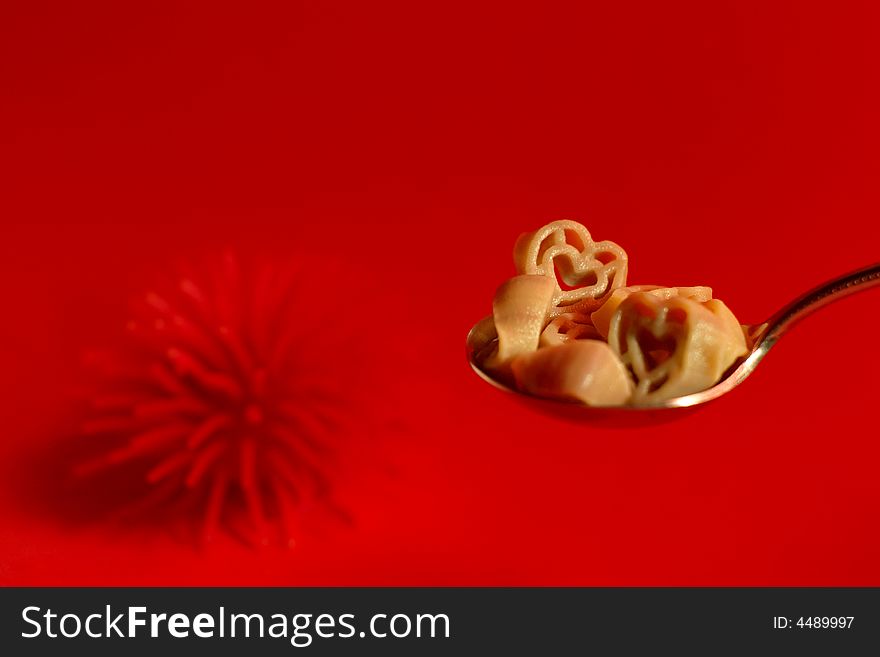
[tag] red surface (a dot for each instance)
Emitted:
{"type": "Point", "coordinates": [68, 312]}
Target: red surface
{"type": "Point", "coordinates": [727, 144]}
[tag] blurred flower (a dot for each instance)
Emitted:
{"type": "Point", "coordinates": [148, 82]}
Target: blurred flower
{"type": "Point", "coordinates": [222, 400]}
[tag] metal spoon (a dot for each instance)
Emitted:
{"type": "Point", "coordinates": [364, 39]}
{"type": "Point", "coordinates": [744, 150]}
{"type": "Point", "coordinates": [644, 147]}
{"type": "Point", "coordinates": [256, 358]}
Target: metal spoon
{"type": "Point", "coordinates": [761, 337]}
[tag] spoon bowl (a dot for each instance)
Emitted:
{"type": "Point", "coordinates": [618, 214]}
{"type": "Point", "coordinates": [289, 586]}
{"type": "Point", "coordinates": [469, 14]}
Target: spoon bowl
{"type": "Point", "coordinates": [761, 338]}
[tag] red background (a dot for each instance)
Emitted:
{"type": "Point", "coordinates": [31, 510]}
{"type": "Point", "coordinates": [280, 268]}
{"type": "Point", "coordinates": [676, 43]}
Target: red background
{"type": "Point", "coordinates": [731, 144]}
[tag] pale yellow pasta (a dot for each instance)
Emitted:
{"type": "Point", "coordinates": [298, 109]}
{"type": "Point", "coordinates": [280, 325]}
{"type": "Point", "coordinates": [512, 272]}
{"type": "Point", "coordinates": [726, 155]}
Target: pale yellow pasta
{"type": "Point", "coordinates": [601, 318]}
{"type": "Point", "coordinates": [584, 271]}
{"type": "Point", "coordinates": [568, 326]}
{"type": "Point", "coordinates": [580, 370]}
{"type": "Point", "coordinates": [675, 346]}
{"type": "Point", "coordinates": [520, 311]}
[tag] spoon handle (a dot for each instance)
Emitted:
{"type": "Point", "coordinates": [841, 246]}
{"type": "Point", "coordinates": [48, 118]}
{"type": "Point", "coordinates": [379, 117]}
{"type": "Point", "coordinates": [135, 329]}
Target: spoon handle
{"type": "Point", "coordinates": [809, 302]}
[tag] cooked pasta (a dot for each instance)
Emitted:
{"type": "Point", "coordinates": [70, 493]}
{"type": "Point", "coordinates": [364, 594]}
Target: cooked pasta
{"type": "Point", "coordinates": [584, 271]}
{"type": "Point", "coordinates": [674, 346]}
{"type": "Point", "coordinates": [581, 370]}
{"type": "Point", "coordinates": [520, 311]}
{"type": "Point", "coordinates": [601, 318]}
{"type": "Point", "coordinates": [568, 327]}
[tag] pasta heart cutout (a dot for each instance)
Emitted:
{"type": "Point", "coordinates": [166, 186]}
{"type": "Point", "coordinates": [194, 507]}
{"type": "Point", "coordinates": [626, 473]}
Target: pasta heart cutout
{"type": "Point", "coordinates": [674, 346]}
{"type": "Point", "coordinates": [601, 318]}
{"type": "Point", "coordinates": [566, 327]}
{"type": "Point", "coordinates": [585, 271]}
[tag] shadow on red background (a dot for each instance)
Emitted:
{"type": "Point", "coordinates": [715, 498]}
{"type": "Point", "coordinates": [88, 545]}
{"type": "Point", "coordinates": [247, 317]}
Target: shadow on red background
{"type": "Point", "coordinates": [727, 144]}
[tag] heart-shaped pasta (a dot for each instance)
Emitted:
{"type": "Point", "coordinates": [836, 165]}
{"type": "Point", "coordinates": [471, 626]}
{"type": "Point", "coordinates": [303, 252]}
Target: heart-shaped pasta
{"type": "Point", "coordinates": [566, 327]}
{"type": "Point", "coordinates": [601, 318]}
{"type": "Point", "coordinates": [674, 346]}
{"type": "Point", "coordinates": [585, 271]}
{"type": "Point", "coordinates": [548, 331]}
